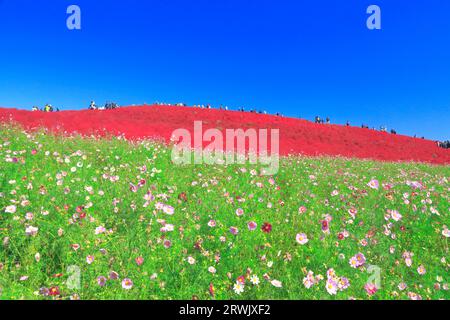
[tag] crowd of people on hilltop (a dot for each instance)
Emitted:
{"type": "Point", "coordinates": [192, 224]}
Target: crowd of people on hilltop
{"type": "Point", "coordinates": [106, 106]}
{"type": "Point", "coordinates": [209, 106]}
{"type": "Point", "coordinates": [317, 119]}
{"type": "Point", "coordinates": [92, 106]}
{"type": "Point", "coordinates": [444, 144]}
{"type": "Point", "coordinates": [46, 108]}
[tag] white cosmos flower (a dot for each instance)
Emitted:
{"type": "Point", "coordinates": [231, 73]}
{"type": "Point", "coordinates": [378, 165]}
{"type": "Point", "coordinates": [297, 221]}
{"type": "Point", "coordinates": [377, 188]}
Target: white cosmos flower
{"type": "Point", "coordinates": [10, 209]}
{"type": "Point", "coordinates": [212, 269]}
{"type": "Point", "coordinates": [254, 279]}
{"type": "Point", "coordinates": [190, 260]}
{"type": "Point", "coordinates": [276, 283]}
{"type": "Point", "coordinates": [446, 233]}
{"type": "Point", "coordinates": [331, 287]}
{"type": "Point", "coordinates": [31, 231]}
{"type": "Point", "coordinates": [238, 287]}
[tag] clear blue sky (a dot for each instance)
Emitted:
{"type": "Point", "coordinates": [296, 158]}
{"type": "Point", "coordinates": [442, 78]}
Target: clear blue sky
{"type": "Point", "coordinates": [300, 58]}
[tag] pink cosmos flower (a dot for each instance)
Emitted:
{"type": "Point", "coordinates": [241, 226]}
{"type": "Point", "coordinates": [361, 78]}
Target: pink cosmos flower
{"type": "Point", "coordinates": [357, 261]}
{"type": "Point", "coordinates": [302, 238]}
{"type": "Point", "coordinates": [133, 188]}
{"type": "Point", "coordinates": [101, 281]}
{"type": "Point", "coordinates": [370, 288]}
{"type": "Point", "coordinates": [168, 210]}
{"type": "Point", "coordinates": [212, 223]}
{"type": "Point", "coordinates": [252, 225]}
{"type": "Point", "coordinates": [167, 244]}
{"type": "Point", "coordinates": [149, 196]}
{"type": "Point", "coordinates": [395, 215]}
{"type": "Point", "coordinates": [408, 262]}
{"type": "Point", "coordinates": [374, 184]}
{"type": "Point", "coordinates": [139, 261]}
{"type": "Point", "coordinates": [331, 286]}
{"type": "Point", "coordinates": [352, 212]}
{"type": "Point", "coordinates": [446, 232]}
{"type": "Point", "coordinates": [239, 212]}
{"type": "Point", "coordinates": [325, 226]}
{"type": "Point", "coordinates": [414, 184]}
{"type": "Point", "coordinates": [309, 280]}
{"type": "Point", "coordinates": [90, 259]}
{"type": "Point", "coordinates": [414, 296]}
{"type": "Point", "coordinates": [343, 283]}
{"type": "Point", "coordinates": [167, 228]}
{"type": "Point", "coordinates": [127, 284]}
{"type": "Point", "coordinates": [402, 286]}
{"type": "Point", "coordinates": [100, 230]}
{"type": "Point", "coordinates": [421, 270]}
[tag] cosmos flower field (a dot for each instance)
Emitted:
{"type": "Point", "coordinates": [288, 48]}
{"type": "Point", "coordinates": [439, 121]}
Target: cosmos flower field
{"type": "Point", "coordinates": [106, 218]}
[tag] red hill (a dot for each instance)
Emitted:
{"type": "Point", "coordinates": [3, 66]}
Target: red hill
{"type": "Point", "coordinates": [296, 136]}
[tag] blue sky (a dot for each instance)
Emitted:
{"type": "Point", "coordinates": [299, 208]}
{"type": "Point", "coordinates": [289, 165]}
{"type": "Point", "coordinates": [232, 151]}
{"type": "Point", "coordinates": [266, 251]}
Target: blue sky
{"type": "Point", "coordinates": [301, 58]}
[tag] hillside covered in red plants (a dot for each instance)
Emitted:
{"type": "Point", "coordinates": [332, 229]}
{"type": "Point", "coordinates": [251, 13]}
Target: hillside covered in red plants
{"type": "Point", "coordinates": [296, 136]}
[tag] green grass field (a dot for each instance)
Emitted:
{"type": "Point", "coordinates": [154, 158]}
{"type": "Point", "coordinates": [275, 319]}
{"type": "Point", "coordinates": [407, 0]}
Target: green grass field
{"type": "Point", "coordinates": [109, 219]}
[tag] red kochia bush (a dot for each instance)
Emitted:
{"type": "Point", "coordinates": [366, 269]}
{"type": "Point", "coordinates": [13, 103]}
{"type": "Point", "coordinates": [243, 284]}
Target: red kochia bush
{"type": "Point", "coordinates": [296, 136]}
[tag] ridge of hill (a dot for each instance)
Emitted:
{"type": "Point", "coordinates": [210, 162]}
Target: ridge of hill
{"type": "Point", "coordinates": [297, 136]}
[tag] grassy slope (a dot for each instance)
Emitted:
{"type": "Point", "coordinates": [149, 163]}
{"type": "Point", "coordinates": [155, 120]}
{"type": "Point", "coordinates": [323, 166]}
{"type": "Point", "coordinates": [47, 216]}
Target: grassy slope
{"type": "Point", "coordinates": [217, 193]}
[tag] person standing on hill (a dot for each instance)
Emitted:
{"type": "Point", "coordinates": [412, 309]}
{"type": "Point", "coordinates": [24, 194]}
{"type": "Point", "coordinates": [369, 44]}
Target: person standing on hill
{"type": "Point", "coordinates": [92, 106]}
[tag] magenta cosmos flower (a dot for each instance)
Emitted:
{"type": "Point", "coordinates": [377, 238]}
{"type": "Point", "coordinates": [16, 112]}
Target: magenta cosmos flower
{"type": "Point", "coordinates": [139, 261]}
{"type": "Point", "coordinates": [101, 280]}
{"type": "Point", "coordinates": [234, 230]}
{"type": "Point", "coordinates": [167, 244]}
{"type": "Point", "coordinates": [371, 289]}
{"type": "Point", "coordinates": [266, 228]}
